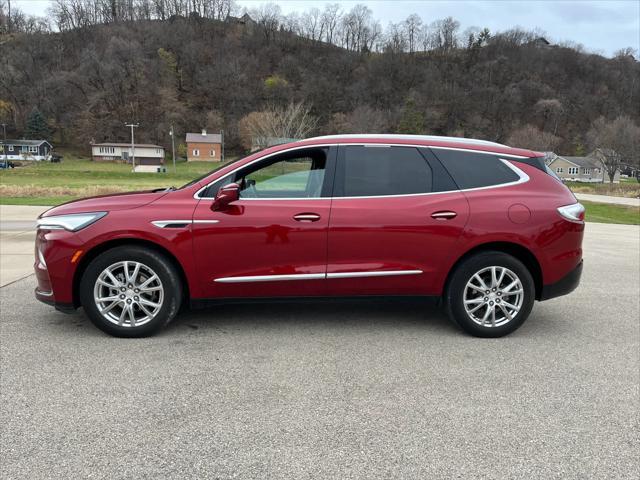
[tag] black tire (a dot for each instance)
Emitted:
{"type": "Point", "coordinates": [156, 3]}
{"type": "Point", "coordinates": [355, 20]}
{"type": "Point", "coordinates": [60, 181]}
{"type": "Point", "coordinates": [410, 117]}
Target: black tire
{"type": "Point", "coordinates": [159, 264]}
{"type": "Point", "coordinates": [454, 295]}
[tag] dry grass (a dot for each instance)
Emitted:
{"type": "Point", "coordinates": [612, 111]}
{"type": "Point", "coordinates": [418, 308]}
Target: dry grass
{"type": "Point", "coordinates": [51, 191]}
{"type": "Point", "coordinates": [622, 189]}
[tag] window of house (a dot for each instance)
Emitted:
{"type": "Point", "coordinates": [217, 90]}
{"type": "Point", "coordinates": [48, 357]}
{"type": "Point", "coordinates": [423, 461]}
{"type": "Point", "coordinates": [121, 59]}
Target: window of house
{"type": "Point", "coordinates": [586, 171]}
{"type": "Point", "coordinates": [559, 170]}
{"type": "Point", "coordinates": [196, 152]}
{"type": "Point", "coordinates": [378, 171]}
{"type": "Point", "coordinates": [573, 170]}
{"type": "Point", "coordinates": [212, 153]}
{"type": "Point", "coordinates": [596, 170]}
{"type": "Point", "coordinates": [475, 170]}
{"type": "Point", "coordinates": [10, 148]}
{"type": "Point", "coordinates": [107, 150]}
{"type": "Point", "coordinates": [33, 149]}
{"type": "Point", "coordinates": [24, 149]}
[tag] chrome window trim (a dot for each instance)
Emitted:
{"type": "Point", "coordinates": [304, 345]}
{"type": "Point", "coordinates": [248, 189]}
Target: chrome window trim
{"type": "Point", "coordinates": [523, 176]}
{"type": "Point", "coordinates": [315, 276]}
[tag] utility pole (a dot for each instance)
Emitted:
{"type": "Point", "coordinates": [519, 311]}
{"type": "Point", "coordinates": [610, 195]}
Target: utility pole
{"type": "Point", "coordinates": [133, 148]}
{"type": "Point", "coordinates": [4, 145]}
{"type": "Point", "coordinates": [173, 148]}
{"type": "Point", "coordinates": [222, 146]}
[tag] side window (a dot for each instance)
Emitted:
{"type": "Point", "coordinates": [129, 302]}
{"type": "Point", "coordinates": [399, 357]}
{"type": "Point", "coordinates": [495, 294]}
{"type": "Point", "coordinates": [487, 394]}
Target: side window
{"type": "Point", "coordinates": [474, 170]}
{"type": "Point", "coordinates": [376, 171]}
{"type": "Point", "coordinates": [298, 174]}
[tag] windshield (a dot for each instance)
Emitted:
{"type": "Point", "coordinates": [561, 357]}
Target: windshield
{"type": "Point", "coordinates": [219, 167]}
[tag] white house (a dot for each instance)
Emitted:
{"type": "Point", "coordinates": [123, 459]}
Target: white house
{"type": "Point", "coordinates": [145, 154]}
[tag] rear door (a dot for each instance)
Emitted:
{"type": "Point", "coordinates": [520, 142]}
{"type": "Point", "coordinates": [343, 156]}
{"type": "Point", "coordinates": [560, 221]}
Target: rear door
{"type": "Point", "coordinates": [396, 217]}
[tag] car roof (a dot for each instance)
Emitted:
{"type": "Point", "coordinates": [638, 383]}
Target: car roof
{"type": "Point", "coordinates": [422, 140]}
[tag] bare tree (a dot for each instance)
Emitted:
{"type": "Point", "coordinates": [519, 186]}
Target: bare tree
{"type": "Point", "coordinates": [412, 26]}
{"type": "Point", "coordinates": [330, 20]}
{"type": "Point", "coordinates": [551, 110]}
{"type": "Point", "coordinates": [615, 143]}
{"type": "Point", "coordinates": [531, 137]}
{"type": "Point", "coordinates": [292, 121]}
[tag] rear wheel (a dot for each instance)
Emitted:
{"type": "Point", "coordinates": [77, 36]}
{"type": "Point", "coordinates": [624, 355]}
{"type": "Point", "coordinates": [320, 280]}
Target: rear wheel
{"type": "Point", "coordinates": [130, 291]}
{"type": "Point", "coordinates": [490, 294]}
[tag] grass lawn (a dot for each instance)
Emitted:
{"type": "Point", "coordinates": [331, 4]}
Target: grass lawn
{"type": "Point", "coordinates": [45, 183]}
{"type": "Point", "coordinates": [606, 213]}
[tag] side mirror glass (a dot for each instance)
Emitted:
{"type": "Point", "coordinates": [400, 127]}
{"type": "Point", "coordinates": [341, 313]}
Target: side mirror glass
{"type": "Point", "coordinates": [226, 195]}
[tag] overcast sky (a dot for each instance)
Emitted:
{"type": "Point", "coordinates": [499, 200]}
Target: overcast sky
{"type": "Point", "coordinates": [602, 26]}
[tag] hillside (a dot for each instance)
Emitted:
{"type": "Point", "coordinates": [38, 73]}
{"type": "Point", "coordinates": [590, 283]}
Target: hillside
{"type": "Point", "coordinates": [196, 73]}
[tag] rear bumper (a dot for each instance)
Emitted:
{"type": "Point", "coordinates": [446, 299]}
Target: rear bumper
{"type": "Point", "coordinates": [565, 285]}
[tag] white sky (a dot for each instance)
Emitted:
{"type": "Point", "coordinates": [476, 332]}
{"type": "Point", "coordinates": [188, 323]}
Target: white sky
{"type": "Point", "coordinates": [602, 26]}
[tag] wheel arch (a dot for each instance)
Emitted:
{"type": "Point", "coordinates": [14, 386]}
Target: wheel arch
{"type": "Point", "coordinates": [516, 250]}
{"type": "Point", "coordinates": [120, 242]}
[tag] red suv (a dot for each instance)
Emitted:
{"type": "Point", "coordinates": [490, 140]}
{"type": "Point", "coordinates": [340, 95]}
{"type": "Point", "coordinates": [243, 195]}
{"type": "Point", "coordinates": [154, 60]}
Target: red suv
{"type": "Point", "coordinates": [485, 228]}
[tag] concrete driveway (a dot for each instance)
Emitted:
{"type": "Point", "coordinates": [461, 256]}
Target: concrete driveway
{"type": "Point", "coordinates": [348, 390]}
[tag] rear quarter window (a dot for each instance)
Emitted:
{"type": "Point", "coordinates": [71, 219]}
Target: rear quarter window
{"type": "Point", "coordinates": [475, 170]}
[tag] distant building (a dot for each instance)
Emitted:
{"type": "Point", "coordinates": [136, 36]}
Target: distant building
{"type": "Point", "coordinates": [540, 42]}
{"type": "Point", "coordinates": [581, 169]}
{"type": "Point", "coordinates": [36, 150]}
{"type": "Point", "coordinates": [145, 154]}
{"type": "Point", "coordinates": [244, 20]}
{"type": "Point", "coordinates": [204, 147]}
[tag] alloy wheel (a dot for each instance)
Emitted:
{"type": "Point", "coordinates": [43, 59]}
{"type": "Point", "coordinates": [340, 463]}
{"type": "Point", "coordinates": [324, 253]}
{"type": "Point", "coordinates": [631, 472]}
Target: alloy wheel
{"type": "Point", "coordinates": [128, 294]}
{"type": "Point", "coordinates": [493, 296]}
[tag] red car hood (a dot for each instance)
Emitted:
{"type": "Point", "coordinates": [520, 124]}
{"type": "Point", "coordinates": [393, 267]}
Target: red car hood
{"type": "Point", "coordinates": [105, 203]}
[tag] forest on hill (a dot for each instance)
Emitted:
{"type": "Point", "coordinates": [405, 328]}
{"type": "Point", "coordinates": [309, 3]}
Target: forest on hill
{"type": "Point", "coordinates": [201, 64]}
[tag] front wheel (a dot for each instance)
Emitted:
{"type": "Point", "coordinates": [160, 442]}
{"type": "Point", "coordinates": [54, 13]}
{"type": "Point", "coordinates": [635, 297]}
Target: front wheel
{"type": "Point", "coordinates": [490, 294]}
{"type": "Point", "coordinates": [130, 291]}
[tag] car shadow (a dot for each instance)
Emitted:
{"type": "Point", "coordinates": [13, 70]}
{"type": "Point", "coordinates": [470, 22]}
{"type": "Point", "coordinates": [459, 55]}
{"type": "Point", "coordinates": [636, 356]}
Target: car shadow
{"type": "Point", "coordinates": [318, 314]}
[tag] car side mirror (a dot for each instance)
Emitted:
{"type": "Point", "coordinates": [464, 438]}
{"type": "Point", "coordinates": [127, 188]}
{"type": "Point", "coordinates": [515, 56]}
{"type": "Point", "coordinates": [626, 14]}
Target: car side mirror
{"type": "Point", "coordinates": [226, 195]}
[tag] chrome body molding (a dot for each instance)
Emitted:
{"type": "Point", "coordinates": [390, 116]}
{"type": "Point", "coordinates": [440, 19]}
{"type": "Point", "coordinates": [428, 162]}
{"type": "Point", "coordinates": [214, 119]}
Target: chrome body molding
{"type": "Point", "coordinates": [178, 223]}
{"type": "Point", "coordinates": [272, 278]}
{"type": "Point", "coordinates": [383, 273]}
{"type": "Point", "coordinates": [315, 276]}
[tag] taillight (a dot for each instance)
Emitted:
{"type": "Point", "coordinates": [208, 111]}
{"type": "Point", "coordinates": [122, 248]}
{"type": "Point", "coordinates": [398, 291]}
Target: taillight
{"type": "Point", "coordinates": [573, 213]}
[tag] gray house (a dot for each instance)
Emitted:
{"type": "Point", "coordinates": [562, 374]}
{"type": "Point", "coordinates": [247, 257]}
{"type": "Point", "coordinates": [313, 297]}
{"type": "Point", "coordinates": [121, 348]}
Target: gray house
{"type": "Point", "coordinates": [581, 169]}
{"type": "Point", "coordinates": [25, 150]}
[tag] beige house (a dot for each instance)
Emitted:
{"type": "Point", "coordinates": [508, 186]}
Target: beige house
{"type": "Point", "coordinates": [145, 154]}
{"type": "Point", "coordinates": [581, 169]}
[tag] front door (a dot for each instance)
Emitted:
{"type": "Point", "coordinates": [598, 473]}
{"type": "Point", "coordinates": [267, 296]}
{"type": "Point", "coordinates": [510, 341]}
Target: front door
{"type": "Point", "coordinates": [396, 215]}
{"type": "Point", "coordinates": [273, 240]}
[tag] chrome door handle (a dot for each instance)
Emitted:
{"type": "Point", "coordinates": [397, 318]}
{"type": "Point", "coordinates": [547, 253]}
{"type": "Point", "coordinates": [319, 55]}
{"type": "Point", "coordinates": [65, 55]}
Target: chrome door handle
{"type": "Point", "coordinates": [444, 215]}
{"type": "Point", "coordinates": [306, 217]}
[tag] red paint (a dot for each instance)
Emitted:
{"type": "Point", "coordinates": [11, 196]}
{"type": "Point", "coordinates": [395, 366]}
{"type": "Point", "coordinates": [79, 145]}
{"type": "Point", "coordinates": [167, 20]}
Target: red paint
{"type": "Point", "coordinates": [267, 237]}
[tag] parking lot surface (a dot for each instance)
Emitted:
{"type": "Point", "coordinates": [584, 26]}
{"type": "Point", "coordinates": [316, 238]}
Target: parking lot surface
{"type": "Point", "coordinates": [344, 390]}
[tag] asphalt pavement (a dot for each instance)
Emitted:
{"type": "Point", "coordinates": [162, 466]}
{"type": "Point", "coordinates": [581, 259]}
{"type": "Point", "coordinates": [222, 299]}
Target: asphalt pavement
{"type": "Point", "coordinates": [331, 391]}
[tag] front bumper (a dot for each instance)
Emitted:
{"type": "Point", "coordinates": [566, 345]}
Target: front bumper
{"type": "Point", "coordinates": [565, 285]}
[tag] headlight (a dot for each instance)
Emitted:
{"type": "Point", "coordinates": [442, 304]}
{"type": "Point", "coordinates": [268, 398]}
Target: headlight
{"type": "Point", "coordinates": [72, 222]}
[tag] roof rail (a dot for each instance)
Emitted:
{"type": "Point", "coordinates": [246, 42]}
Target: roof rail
{"type": "Point", "coordinates": [429, 138]}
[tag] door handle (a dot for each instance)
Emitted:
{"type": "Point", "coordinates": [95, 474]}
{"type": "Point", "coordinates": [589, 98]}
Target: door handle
{"type": "Point", "coordinates": [444, 215]}
{"type": "Point", "coordinates": [306, 217]}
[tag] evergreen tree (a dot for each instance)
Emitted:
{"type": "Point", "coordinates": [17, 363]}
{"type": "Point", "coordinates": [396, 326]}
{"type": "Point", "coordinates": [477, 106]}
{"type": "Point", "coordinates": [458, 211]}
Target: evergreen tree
{"type": "Point", "coordinates": [412, 121]}
{"type": "Point", "coordinates": [37, 128]}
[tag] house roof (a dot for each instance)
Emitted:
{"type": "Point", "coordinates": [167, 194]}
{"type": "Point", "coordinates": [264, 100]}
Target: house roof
{"type": "Point", "coordinates": [206, 138]}
{"type": "Point", "coordinates": [136, 145]}
{"type": "Point", "coordinates": [33, 143]}
{"type": "Point", "coordinates": [584, 162]}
